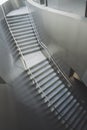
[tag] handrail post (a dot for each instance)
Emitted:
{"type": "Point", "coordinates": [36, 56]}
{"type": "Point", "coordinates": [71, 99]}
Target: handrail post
{"type": "Point", "coordinates": [86, 9]}
{"type": "Point", "coordinates": [46, 2]}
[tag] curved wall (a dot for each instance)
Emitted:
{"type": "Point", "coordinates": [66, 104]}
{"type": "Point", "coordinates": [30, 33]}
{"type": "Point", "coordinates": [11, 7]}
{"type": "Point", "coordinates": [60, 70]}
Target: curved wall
{"type": "Point", "coordinates": [64, 34]}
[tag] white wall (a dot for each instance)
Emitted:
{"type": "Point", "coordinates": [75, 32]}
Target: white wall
{"type": "Point", "coordinates": [74, 6]}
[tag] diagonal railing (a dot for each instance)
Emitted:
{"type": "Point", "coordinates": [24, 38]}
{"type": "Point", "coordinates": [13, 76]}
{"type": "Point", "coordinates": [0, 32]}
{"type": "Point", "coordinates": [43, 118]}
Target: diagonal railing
{"type": "Point", "coordinates": [59, 70]}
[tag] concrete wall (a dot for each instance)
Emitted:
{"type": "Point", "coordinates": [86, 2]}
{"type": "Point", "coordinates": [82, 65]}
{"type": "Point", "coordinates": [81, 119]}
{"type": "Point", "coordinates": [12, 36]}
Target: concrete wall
{"type": "Point", "coordinates": [17, 3]}
{"type": "Point", "coordinates": [64, 34]}
{"type": "Point", "coordinates": [73, 6]}
{"type": "Point", "coordinates": [9, 68]}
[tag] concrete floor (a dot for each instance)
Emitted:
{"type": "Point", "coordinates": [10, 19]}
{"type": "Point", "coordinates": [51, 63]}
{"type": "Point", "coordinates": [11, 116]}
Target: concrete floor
{"type": "Point", "coordinates": [15, 115]}
{"type": "Point", "coordinates": [7, 109]}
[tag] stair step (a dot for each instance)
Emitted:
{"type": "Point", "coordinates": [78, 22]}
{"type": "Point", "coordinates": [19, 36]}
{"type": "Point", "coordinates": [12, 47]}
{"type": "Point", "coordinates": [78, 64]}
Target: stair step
{"type": "Point", "coordinates": [41, 77]}
{"type": "Point", "coordinates": [52, 88]}
{"type": "Point", "coordinates": [18, 17]}
{"type": "Point", "coordinates": [46, 79]}
{"type": "Point", "coordinates": [24, 36]}
{"type": "Point", "coordinates": [29, 47]}
{"type": "Point", "coordinates": [41, 71]}
{"type": "Point", "coordinates": [26, 39]}
{"type": "Point", "coordinates": [60, 86]}
{"type": "Point", "coordinates": [72, 111]}
{"type": "Point", "coordinates": [21, 26]}
{"type": "Point", "coordinates": [61, 105]}
{"type": "Point", "coordinates": [73, 114]}
{"type": "Point", "coordinates": [59, 95]}
{"type": "Point", "coordinates": [69, 107]}
{"type": "Point", "coordinates": [25, 28]}
{"type": "Point", "coordinates": [39, 66]}
{"type": "Point", "coordinates": [59, 92]}
{"type": "Point", "coordinates": [18, 21]}
{"type": "Point", "coordinates": [50, 85]}
{"type": "Point", "coordinates": [64, 91]}
{"type": "Point", "coordinates": [22, 30]}
{"type": "Point", "coordinates": [64, 99]}
{"type": "Point", "coordinates": [28, 43]}
{"type": "Point", "coordinates": [80, 119]}
{"type": "Point", "coordinates": [74, 120]}
{"type": "Point", "coordinates": [31, 50]}
{"type": "Point", "coordinates": [80, 126]}
{"type": "Point", "coordinates": [20, 34]}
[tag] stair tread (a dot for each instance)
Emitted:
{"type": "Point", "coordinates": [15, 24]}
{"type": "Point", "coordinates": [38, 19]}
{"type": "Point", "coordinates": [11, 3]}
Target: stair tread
{"type": "Point", "coordinates": [18, 20]}
{"type": "Point", "coordinates": [34, 69]}
{"type": "Point", "coordinates": [24, 36]}
{"type": "Point", "coordinates": [60, 106]}
{"type": "Point", "coordinates": [61, 99]}
{"type": "Point", "coordinates": [50, 85]}
{"type": "Point", "coordinates": [46, 79]}
{"type": "Point", "coordinates": [57, 90]}
{"type": "Point", "coordinates": [51, 90]}
{"type": "Point", "coordinates": [69, 107]}
{"type": "Point", "coordinates": [76, 116]}
{"type": "Point", "coordinates": [72, 111]}
{"type": "Point", "coordinates": [22, 29]}
{"type": "Point", "coordinates": [81, 125]}
{"type": "Point", "coordinates": [59, 95]}
{"type": "Point", "coordinates": [41, 77]}
{"type": "Point", "coordinates": [30, 51]}
{"type": "Point", "coordinates": [19, 23]}
{"type": "Point", "coordinates": [20, 26]}
{"type": "Point", "coordinates": [26, 39]}
{"type": "Point", "coordinates": [81, 117]}
{"type": "Point", "coordinates": [28, 46]}
{"type": "Point", "coordinates": [42, 71]}
{"type": "Point", "coordinates": [18, 17]}
{"type": "Point", "coordinates": [28, 43]}
{"type": "Point", "coordinates": [23, 33]}
{"type": "Point", "coordinates": [8, 16]}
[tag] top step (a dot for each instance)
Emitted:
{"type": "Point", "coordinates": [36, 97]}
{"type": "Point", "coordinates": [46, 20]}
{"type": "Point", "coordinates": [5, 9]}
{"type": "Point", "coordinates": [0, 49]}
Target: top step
{"type": "Point", "coordinates": [13, 16]}
{"type": "Point", "coordinates": [18, 17]}
{"type": "Point", "coordinates": [23, 10]}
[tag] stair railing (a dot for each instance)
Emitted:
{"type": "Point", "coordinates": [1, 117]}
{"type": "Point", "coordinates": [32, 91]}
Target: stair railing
{"type": "Point", "coordinates": [59, 70]}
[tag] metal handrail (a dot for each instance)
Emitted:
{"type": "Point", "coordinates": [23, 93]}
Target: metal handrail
{"type": "Point", "coordinates": [50, 58]}
{"type": "Point", "coordinates": [46, 50]}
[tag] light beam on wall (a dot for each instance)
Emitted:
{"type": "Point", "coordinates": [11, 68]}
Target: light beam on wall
{"type": "Point", "coordinates": [2, 1]}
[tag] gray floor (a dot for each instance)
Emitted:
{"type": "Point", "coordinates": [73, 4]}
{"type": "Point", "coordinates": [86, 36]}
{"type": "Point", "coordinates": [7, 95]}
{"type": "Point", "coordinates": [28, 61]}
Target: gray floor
{"type": "Point", "coordinates": [7, 108]}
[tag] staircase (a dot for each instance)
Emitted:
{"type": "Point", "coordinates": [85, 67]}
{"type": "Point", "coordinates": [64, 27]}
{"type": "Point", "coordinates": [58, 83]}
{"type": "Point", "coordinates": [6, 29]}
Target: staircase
{"type": "Point", "coordinates": [50, 85]}
{"type": "Point", "coordinates": [23, 33]}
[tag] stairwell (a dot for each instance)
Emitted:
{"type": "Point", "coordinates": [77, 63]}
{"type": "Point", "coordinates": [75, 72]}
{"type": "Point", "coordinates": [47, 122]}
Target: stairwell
{"type": "Point", "coordinates": [43, 77]}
